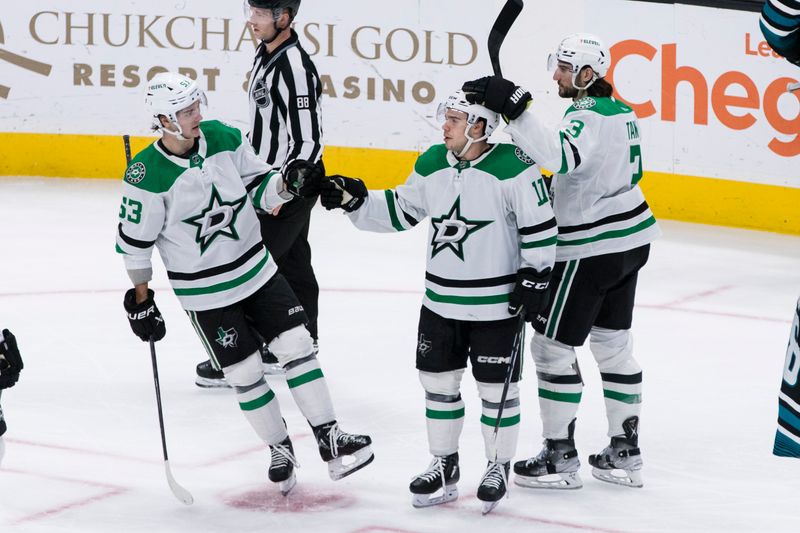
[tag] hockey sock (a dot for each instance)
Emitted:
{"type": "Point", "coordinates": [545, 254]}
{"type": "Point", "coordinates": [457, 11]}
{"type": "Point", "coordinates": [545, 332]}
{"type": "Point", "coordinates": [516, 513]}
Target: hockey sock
{"type": "Point", "coordinates": [444, 410]}
{"type": "Point", "coordinates": [508, 433]}
{"type": "Point", "coordinates": [560, 385]}
{"type": "Point", "coordinates": [621, 374]}
{"type": "Point", "coordinates": [256, 400]}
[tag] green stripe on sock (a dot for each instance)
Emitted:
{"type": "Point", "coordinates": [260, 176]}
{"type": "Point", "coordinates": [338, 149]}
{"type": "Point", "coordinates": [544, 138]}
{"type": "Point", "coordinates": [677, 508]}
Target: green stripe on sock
{"type": "Point", "coordinates": [504, 422]}
{"type": "Point", "coordinates": [622, 397]}
{"type": "Point", "coordinates": [569, 397]}
{"type": "Point", "coordinates": [305, 378]}
{"type": "Point", "coordinates": [261, 401]}
{"type": "Point", "coordinates": [444, 415]}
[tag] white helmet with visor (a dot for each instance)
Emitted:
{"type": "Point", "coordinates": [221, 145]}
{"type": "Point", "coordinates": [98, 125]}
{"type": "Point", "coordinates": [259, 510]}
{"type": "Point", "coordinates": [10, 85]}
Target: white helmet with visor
{"type": "Point", "coordinates": [581, 50]}
{"type": "Point", "coordinates": [167, 94]}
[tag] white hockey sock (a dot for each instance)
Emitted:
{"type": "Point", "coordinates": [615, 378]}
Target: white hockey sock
{"type": "Point", "coordinates": [560, 385]}
{"type": "Point", "coordinates": [256, 400]}
{"type": "Point", "coordinates": [310, 390]}
{"type": "Point", "coordinates": [444, 410]}
{"type": "Point", "coordinates": [508, 432]}
{"type": "Point", "coordinates": [621, 374]}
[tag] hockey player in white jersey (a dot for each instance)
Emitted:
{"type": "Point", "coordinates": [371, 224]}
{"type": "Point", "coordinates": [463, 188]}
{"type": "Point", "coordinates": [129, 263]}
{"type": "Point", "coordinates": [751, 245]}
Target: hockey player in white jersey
{"type": "Point", "coordinates": [604, 230]}
{"type": "Point", "coordinates": [191, 194]}
{"type": "Point", "coordinates": [491, 248]}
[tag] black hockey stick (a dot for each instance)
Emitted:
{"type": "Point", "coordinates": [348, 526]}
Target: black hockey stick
{"type": "Point", "coordinates": [793, 87]}
{"type": "Point", "coordinates": [516, 349]}
{"type": "Point", "coordinates": [181, 493]}
{"type": "Point", "coordinates": [497, 34]}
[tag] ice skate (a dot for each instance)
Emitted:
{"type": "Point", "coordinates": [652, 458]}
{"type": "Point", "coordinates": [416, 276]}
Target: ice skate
{"type": "Point", "coordinates": [493, 485]}
{"type": "Point", "coordinates": [556, 466]}
{"type": "Point", "coordinates": [441, 475]}
{"type": "Point", "coordinates": [271, 365]}
{"type": "Point", "coordinates": [209, 377]}
{"type": "Point", "coordinates": [621, 461]}
{"type": "Point", "coordinates": [335, 446]}
{"type": "Point", "coordinates": [282, 465]}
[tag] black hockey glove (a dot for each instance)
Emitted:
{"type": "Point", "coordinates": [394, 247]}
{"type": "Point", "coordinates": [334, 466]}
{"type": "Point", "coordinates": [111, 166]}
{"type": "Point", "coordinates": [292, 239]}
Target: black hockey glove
{"type": "Point", "coordinates": [531, 293]}
{"type": "Point", "coordinates": [303, 178]}
{"type": "Point", "coordinates": [344, 192]}
{"type": "Point", "coordinates": [498, 94]}
{"type": "Point", "coordinates": [145, 318]}
{"type": "Point", "coordinates": [10, 360]}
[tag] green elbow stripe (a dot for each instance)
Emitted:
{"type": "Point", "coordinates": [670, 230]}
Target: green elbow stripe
{"type": "Point", "coordinates": [621, 397]}
{"type": "Point", "coordinates": [539, 244]}
{"type": "Point", "coordinates": [504, 422]}
{"type": "Point", "coordinates": [305, 378]}
{"type": "Point", "coordinates": [444, 415]}
{"type": "Point", "coordinates": [261, 401]}
{"type": "Point", "coordinates": [393, 210]}
{"type": "Point", "coordinates": [568, 397]}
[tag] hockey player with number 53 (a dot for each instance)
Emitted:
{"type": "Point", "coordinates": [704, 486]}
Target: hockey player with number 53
{"type": "Point", "coordinates": [604, 232]}
{"type": "Point", "coordinates": [192, 194]}
{"type": "Point", "coordinates": [491, 249]}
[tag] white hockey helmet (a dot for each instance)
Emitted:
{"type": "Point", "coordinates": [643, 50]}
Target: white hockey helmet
{"type": "Point", "coordinates": [458, 101]}
{"type": "Point", "coordinates": [169, 92]}
{"type": "Point", "coordinates": [581, 50]}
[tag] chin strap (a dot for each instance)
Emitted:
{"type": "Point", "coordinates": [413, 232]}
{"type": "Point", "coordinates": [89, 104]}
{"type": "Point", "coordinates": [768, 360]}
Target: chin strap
{"type": "Point", "coordinates": [470, 142]}
{"type": "Point", "coordinates": [591, 82]}
{"type": "Point", "coordinates": [177, 134]}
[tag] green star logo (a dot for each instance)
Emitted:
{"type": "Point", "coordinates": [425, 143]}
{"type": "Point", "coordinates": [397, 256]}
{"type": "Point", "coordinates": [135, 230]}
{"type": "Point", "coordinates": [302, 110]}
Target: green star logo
{"type": "Point", "coordinates": [219, 218]}
{"type": "Point", "coordinates": [227, 337]}
{"type": "Point", "coordinates": [451, 230]}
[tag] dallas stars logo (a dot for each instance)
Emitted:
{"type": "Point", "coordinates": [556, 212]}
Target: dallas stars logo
{"type": "Point", "coordinates": [219, 218]}
{"type": "Point", "coordinates": [227, 337]}
{"type": "Point", "coordinates": [451, 230]}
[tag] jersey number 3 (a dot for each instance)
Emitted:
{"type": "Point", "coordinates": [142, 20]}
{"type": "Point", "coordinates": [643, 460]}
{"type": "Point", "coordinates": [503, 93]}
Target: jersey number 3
{"type": "Point", "coordinates": [636, 163]}
{"type": "Point", "coordinates": [135, 214]}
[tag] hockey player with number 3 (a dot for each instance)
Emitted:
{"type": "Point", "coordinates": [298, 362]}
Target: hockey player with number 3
{"type": "Point", "coordinates": [604, 230]}
{"type": "Point", "coordinates": [491, 249]}
{"type": "Point", "coordinates": [192, 194]}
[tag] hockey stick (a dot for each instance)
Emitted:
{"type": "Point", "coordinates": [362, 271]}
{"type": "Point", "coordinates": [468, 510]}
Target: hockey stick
{"type": "Point", "coordinates": [497, 34]}
{"type": "Point", "coordinates": [181, 493]}
{"type": "Point", "coordinates": [516, 348]}
{"type": "Point", "coordinates": [793, 87]}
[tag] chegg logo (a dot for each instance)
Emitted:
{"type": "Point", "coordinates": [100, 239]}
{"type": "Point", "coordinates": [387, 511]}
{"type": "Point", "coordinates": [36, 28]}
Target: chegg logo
{"type": "Point", "coordinates": [712, 95]}
{"type": "Point", "coordinates": [20, 61]}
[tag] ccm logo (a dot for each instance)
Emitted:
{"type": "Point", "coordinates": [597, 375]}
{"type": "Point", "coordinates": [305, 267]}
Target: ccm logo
{"type": "Point", "coordinates": [517, 94]}
{"type": "Point", "coordinates": [494, 360]}
{"type": "Point", "coordinates": [294, 310]}
{"type": "Point", "coordinates": [540, 286]}
{"type": "Point", "coordinates": [142, 314]}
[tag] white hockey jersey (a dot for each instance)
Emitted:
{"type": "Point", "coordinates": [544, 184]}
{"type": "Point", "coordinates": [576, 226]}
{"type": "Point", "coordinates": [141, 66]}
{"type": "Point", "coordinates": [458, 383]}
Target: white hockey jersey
{"type": "Point", "coordinates": [199, 212]}
{"type": "Point", "coordinates": [488, 218]}
{"type": "Point", "coordinates": [597, 162]}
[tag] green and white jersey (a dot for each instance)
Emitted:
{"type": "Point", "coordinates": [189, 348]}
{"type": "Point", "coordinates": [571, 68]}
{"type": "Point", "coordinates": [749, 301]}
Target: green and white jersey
{"type": "Point", "coordinates": [488, 218]}
{"type": "Point", "coordinates": [199, 213]}
{"type": "Point", "coordinates": [597, 159]}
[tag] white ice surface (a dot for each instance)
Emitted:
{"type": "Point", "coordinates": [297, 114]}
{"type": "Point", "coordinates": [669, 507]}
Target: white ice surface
{"type": "Point", "coordinates": [83, 451]}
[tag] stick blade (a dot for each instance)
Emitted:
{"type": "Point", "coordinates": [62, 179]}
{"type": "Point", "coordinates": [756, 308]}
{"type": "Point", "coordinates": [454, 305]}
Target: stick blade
{"type": "Point", "coordinates": [497, 34]}
{"type": "Point", "coordinates": [181, 493]}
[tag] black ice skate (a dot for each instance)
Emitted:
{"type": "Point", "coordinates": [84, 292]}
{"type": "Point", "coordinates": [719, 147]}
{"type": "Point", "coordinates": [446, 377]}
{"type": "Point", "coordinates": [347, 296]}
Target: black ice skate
{"type": "Point", "coordinates": [556, 466]}
{"type": "Point", "coordinates": [271, 365]}
{"type": "Point", "coordinates": [336, 445]}
{"type": "Point", "coordinates": [493, 485]}
{"type": "Point", "coordinates": [282, 465]}
{"type": "Point", "coordinates": [621, 461]}
{"type": "Point", "coordinates": [442, 474]}
{"type": "Point", "coordinates": [209, 377]}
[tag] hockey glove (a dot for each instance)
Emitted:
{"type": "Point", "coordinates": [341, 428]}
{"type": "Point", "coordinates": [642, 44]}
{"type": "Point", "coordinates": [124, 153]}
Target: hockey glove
{"type": "Point", "coordinates": [531, 293]}
{"type": "Point", "coordinates": [303, 178]}
{"type": "Point", "coordinates": [344, 192]}
{"type": "Point", "coordinates": [10, 361]}
{"type": "Point", "coordinates": [498, 94]}
{"type": "Point", "coordinates": [145, 318]}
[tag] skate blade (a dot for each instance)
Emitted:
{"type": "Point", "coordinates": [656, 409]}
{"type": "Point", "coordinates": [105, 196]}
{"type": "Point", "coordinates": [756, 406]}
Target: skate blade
{"type": "Point", "coordinates": [286, 486]}
{"type": "Point", "coordinates": [208, 383]}
{"type": "Point", "coordinates": [337, 468]}
{"type": "Point", "coordinates": [273, 369]}
{"type": "Point", "coordinates": [562, 481]}
{"type": "Point", "coordinates": [488, 506]}
{"type": "Point", "coordinates": [420, 501]}
{"type": "Point", "coordinates": [617, 476]}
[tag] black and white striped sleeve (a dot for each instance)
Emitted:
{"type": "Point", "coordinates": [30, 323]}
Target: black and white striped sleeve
{"type": "Point", "coordinates": [299, 91]}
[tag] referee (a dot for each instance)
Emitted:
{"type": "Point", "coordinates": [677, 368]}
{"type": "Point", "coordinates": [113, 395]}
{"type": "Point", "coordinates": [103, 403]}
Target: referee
{"type": "Point", "coordinates": [285, 125]}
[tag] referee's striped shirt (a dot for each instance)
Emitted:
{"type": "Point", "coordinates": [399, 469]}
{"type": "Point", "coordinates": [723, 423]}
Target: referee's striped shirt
{"type": "Point", "coordinates": [284, 92]}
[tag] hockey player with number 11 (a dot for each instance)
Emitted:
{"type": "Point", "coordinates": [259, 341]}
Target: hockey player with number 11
{"type": "Point", "coordinates": [492, 239]}
{"type": "Point", "coordinates": [192, 194]}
